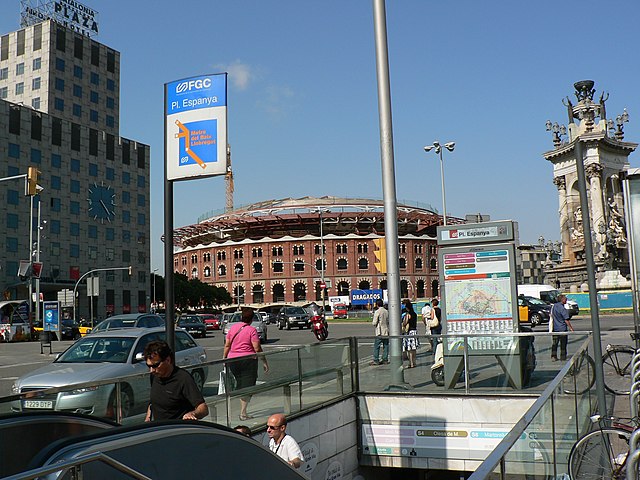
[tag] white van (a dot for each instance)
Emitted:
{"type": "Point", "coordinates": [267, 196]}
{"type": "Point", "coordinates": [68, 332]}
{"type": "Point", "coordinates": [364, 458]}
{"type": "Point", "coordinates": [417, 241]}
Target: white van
{"type": "Point", "coordinates": [547, 293]}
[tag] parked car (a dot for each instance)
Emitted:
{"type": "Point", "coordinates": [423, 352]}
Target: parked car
{"type": "Point", "coordinates": [268, 317]}
{"type": "Point", "coordinates": [69, 329]}
{"type": "Point", "coordinates": [212, 320]}
{"type": "Point", "coordinates": [293, 317]}
{"type": "Point", "coordinates": [193, 324]}
{"type": "Point", "coordinates": [105, 355]}
{"type": "Point", "coordinates": [129, 320]}
{"type": "Point", "coordinates": [340, 311]}
{"type": "Point", "coordinates": [258, 323]}
{"type": "Point", "coordinates": [539, 311]}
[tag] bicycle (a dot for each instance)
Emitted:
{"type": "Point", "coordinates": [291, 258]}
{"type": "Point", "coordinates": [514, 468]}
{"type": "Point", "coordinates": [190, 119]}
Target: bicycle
{"type": "Point", "coordinates": [602, 454]}
{"type": "Point", "coordinates": [616, 365]}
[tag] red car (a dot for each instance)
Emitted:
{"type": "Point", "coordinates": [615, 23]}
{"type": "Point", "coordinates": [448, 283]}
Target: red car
{"type": "Point", "coordinates": [212, 320]}
{"type": "Point", "coordinates": [340, 311]}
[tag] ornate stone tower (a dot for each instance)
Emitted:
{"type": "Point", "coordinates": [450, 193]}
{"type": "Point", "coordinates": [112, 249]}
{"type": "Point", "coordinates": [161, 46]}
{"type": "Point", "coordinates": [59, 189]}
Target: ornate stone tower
{"type": "Point", "coordinates": [605, 160]}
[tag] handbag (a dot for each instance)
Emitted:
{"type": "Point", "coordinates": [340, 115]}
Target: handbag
{"type": "Point", "coordinates": [224, 377]}
{"type": "Point", "coordinates": [433, 321]}
{"type": "Point", "coordinates": [221, 387]}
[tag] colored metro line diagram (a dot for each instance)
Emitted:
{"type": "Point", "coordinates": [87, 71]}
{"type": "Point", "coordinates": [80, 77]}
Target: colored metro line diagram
{"type": "Point", "coordinates": [198, 142]}
{"type": "Point", "coordinates": [476, 265]}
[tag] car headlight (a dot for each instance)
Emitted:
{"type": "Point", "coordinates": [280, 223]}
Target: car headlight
{"type": "Point", "coordinates": [79, 391]}
{"type": "Point", "coordinates": [15, 389]}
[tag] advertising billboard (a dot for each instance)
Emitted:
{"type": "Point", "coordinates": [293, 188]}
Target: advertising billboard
{"type": "Point", "coordinates": [196, 127]}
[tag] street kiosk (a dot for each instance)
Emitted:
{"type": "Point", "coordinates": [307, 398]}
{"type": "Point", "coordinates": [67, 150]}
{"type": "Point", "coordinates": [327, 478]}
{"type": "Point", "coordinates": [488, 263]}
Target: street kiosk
{"type": "Point", "coordinates": [479, 295]}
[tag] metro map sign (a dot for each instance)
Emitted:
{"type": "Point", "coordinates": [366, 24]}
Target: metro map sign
{"type": "Point", "coordinates": [196, 127]}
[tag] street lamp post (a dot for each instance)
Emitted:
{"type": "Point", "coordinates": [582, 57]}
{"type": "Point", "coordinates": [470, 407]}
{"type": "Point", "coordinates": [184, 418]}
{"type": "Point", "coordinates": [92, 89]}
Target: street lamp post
{"type": "Point", "coordinates": [438, 149]}
{"type": "Point", "coordinates": [155, 306]}
{"type": "Point", "coordinates": [90, 272]}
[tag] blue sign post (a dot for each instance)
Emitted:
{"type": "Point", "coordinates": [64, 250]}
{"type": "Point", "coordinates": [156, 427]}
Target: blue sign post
{"type": "Point", "coordinates": [365, 297]}
{"type": "Point", "coordinates": [51, 317]}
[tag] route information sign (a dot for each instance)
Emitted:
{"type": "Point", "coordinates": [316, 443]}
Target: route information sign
{"type": "Point", "coordinates": [196, 127]}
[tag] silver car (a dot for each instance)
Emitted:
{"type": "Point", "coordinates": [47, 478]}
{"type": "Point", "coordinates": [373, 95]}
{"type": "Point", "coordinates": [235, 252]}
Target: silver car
{"type": "Point", "coordinates": [102, 356]}
{"type": "Point", "coordinates": [258, 323]}
{"type": "Point", "coordinates": [129, 320]}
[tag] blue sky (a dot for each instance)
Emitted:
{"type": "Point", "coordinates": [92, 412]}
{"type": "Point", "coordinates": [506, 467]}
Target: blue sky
{"type": "Point", "coordinates": [302, 98]}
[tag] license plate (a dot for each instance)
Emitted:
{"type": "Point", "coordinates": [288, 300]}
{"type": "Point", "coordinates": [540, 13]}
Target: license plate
{"type": "Point", "coordinates": [38, 404]}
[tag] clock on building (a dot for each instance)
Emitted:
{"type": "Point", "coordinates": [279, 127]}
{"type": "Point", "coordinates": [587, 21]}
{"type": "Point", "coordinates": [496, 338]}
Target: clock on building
{"type": "Point", "coordinates": [102, 202]}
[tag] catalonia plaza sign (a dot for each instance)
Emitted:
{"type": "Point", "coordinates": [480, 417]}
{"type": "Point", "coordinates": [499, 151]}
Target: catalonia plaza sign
{"type": "Point", "coordinates": [71, 14]}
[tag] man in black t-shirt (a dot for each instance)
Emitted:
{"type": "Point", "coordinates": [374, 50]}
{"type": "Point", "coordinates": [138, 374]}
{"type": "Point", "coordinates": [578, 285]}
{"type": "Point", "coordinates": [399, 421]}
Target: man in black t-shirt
{"type": "Point", "coordinates": [174, 393]}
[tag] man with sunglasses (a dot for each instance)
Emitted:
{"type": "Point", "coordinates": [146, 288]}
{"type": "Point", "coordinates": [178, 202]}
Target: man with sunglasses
{"type": "Point", "coordinates": [282, 444]}
{"type": "Point", "coordinates": [174, 393]}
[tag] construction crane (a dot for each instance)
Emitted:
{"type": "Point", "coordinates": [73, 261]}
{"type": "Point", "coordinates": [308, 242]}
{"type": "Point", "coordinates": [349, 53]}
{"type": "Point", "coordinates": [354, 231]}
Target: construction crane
{"type": "Point", "coordinates": [228, 178]}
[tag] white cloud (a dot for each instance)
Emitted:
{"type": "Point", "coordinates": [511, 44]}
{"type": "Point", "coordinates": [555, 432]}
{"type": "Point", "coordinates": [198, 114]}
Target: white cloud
{"type": "Point", "coordinates": [240, 74]}
{"type": "Point", "coordinates": [277, 99]}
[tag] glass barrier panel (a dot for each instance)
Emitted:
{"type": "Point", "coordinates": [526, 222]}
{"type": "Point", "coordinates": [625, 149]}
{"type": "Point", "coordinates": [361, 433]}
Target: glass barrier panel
{"type": "Point", "coordinates": [326, 372]}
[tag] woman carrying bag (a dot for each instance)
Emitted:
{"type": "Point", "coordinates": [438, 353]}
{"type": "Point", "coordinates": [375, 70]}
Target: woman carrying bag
{"type": "Point", "coordinates": [410, 342]}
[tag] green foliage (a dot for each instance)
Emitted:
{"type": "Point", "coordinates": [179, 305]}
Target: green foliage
{"type": "Point", "coordinates": [191, 293]}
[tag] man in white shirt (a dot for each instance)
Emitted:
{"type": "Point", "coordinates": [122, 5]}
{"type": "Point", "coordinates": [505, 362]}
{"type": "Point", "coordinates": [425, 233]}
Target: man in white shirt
{"type": "Point", "coordinates": [282, 444]}
{"type": "Point", "coordinates": [426, 315]}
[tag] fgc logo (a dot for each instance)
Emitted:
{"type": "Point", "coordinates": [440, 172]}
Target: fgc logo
{"type": "Point", "coordinates": [193, 85]}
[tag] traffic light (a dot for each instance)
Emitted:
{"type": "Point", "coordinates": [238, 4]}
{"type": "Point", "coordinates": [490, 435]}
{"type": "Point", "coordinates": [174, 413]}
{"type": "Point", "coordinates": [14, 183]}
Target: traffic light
{"type": "Point", "coordinates": [381, 255]}
{"type": "Point", "coordinates": [33, 175]}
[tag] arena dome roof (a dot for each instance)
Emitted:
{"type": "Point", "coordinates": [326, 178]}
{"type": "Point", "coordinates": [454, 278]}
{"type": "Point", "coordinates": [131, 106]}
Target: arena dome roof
{"type": "Point", "coordinates": [297, 217]}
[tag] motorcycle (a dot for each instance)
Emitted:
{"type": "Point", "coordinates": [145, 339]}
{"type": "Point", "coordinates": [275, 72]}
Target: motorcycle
{"type": "Point", "coordinates": [319, 327]}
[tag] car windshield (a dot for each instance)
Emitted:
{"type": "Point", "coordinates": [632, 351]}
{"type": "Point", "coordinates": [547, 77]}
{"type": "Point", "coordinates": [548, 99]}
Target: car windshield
{"type": "Point", "coordinates": [98, 349]}
{"type": "Point", "coordinates": [295, 311]}
{"type": "Point", "coordinates": [68, 322]}
{"type": "Point", "coordinates": [190, 319]}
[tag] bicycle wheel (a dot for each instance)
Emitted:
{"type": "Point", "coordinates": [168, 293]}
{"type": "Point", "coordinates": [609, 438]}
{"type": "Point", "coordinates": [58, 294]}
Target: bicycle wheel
{"type": "Point", "coordinates": [601, 455]}
{"type": "Point", "coordinates": [581, 376]}
{"type": "Point", "coordinates": [616, 364]}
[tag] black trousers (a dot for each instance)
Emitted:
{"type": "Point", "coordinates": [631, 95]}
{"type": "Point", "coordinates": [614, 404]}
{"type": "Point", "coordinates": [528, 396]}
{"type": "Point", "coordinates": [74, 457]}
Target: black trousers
{"type": "Point", "coordinates": [562, 340]}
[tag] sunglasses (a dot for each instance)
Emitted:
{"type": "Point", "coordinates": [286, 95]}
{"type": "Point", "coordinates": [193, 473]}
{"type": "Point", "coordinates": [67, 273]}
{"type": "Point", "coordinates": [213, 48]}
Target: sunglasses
{"type": "Point", "coordinates": [154, 365]}
{"type": "Point", "coordinates": [273, 427]}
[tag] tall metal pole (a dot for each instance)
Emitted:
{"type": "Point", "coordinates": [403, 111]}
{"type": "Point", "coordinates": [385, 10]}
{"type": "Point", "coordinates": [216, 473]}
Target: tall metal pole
{"type": "Point", "coordinates": [591, 278]}
{"type": "Point", "coordinates": [168, 244]}
{"type": "Point", "coordinates": [323, 285]}
{"type": "Point", "coordinates": [444, 197]}
{"type": "Point", "coordinates": [38, 260]}
{"type": "Point", "coordinates": [388, 188]}
{"type": "Point", "coordinates": [31, 311]}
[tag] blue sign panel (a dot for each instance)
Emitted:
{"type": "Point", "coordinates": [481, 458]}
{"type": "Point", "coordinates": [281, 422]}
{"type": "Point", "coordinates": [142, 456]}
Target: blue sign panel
{"type": "Point", "coordinates": [364, 297]}
{"type": "Point", "coordinates": [196, 125]}
{"type": "Point", "coordinates": [51, 316]}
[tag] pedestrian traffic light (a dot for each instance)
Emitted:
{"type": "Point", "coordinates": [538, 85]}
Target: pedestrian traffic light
{"type": "Point", "coordinates": [381, 255]}
{"type": "Point", "coordinates": [33, 175]}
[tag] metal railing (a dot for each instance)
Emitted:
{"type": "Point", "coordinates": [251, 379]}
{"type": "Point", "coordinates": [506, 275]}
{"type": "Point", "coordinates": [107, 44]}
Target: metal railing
{"type": "Point", "coordinates": [634, 440]}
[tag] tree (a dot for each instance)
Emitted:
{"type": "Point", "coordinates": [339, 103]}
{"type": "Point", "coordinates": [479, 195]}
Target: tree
{"type": "Point", "coordinates": [192, 293]}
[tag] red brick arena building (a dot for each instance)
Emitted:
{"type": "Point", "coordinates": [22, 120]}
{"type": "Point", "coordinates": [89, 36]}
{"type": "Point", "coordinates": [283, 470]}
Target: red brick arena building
{"type": "Point", "coordinates": [271, 252]}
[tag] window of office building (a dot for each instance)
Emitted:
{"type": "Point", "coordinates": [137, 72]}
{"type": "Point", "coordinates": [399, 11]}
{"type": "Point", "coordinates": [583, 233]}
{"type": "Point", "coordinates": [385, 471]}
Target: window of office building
{"type": "Point", "coordinates": [12, 197]}
{"type": "Point", "coordinates": [95, 54]}
{"type": "Point", "coordinates": [75, 137]}
{"type": "Point", "coordinates": [74, 207]}
{"type": "Point", "coordinates": [4, 73]}
{"type": "Point", "coordinates": [4, 93]}
{"type": "Point", "coordinates": [126, 216]}
{"type": "Point", "coordinates": [36, 156]}
{"type": "Point", "coordinates": [37, 63]}
{"type": "Point", "coordinates": [95, 79]}
{"type": "Point", "coordinates": [58, 104]}
{"type": "Point", "coordinates": [19, 88]}
{"type": "Point", "coordinates": [78, 45]}
{"type": "Point", "coordinates": [20, 43]}
{"type": "Point", "coordinates": [126, 178]}
{"type": "Point", "coordinates": [59, 84]}
{"type": "Point", "coordinates": [93, 231]}
{"type": "Point", "coordinates": [110, 147]}
{"type": "Point", "coordinates": [37, 37]}
{"type": "Point", "coordinates": [54, 226]}
{"type": "Point", "coordinates": [14, 120]}
{"type": "Point", "coordinates": [93, 169]}
{"type": "Point", "coordinates": [55, 204]}
{"type": "Point", "coordinates": [74, 229]}
{"type": "Point", "coordinates": [61, 39]}
{"type": "Point", "coordinates": [74, 250]}
{"type": "Point", "coordinates": [111, 103]}
{"type": "Point", "coordinates": [77, 110]}
{"type": "Point", "coordinates": [36, 126]}
{"type": "Point", "coordinates": [74, 165]}
{"type": "Point", "coordinates": [111, 61]}
{"type": "Point", "coordinates": [142, 219]}
{"type": "Point", "coordinates": [141, 181]}
{"type": "Point", "coordinates": [141, 200]}
{"type": "Point", "coordinates": [93, 97]}
{"type": "Point", "coordinates": [35, 83]}
{"type": "Point", "coordinates": [77, 71]}
{"type": "Point", "coordinates": [141, 156]}
{"type": "Point", "coordinates": [77, 91]}
{"type": "Point", "coordinates": [75, 186]}
{"type": "Point", "coordinates": [12, 244]}
{"type": "Point", "coordinates": [93, 115]}
{"type": "Point", "coordinates": [20, 69]}
{"type": "Point", "coordinates": [4, 47]}
{"type": "Point", "coordinates": [56, 131]}
{"type": "Point", "coordinates": [12, 220]}
{"type": "Point", "coordinates": [56, 160]}
{"type": "Point", "coordinates": [110, 121]}
{"type": "Point", "coordinates": [111, 85]}
{"type": "Point", "coordinates": [59, 64]}
{"type": "Point", "coordinates": [93, 142]}
{"type": "Point", "coordinates": [126, 152]}
{"type": "Point", "coordinates": [110, 234]}
{"type": "Point", "coordinates": [35, 103]}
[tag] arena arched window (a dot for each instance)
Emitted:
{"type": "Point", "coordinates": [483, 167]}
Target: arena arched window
{"type": "Point", "coordinates": [257, 267]}
{"type": "Point", "coordinates": [316, 249]}
{"type": "Point", "coordinates": [363, 248]}
{"type": "Point", "coordinates": [298, 266]}
{"type": "Point", "coordinates": [418, 264]}
{"type": "Point", "coordinates": [404, 289]}
{"type": "Point", "coordinates": [433, 264]}
{"type": "Point", "coordinates": [258, 294]}
{"type": "Point", "coordinates": [222, 270]}
{"type": "Point", "coordinates": [194, 273]}
{"type": "Point", "coordinates": [238, 294]}
{"type": "Point", "coordinates": [343, 288]}
{"type": "Point", "coordinates": [434, 288]}
{"type": "Point", "coordinates": [364, 285]}
{"type": "Point", "coordinates": [194, 258]}
{"type": "Point", "coordinates": [206, 257]}
{"type": "Point", "coordinates": [238, 253]}
{"type": "Point", "coordinates": [299, 292]}
{"type": "Point", "coordinates": [363, 264]}
{"type": "Point", "coordinates": [402, 248]}
{"type": "Point", "coordinates": [238, 269]}
{"type": "Point", "coordinates": [342, 264]}
{"type": "Point", "coordinates": [278, 267]}
{"type": "Point", "coordinates": [222, 255]}
{"type": "Point", "coordinates": [321, 264]}
{"type": "Point", "coordinates": [207, 272]}
{"type": "Point", "coordinates": [402, 263]}
{"type": "Point", "coordinates": [420, 290]}
{"type": "Point", "coordinates": [278, 293]}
